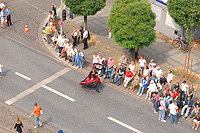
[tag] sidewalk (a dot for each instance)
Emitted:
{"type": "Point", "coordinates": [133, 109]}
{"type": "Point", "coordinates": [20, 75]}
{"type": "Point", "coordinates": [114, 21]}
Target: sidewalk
{"type": "Point", "coordinates": [161, 52]}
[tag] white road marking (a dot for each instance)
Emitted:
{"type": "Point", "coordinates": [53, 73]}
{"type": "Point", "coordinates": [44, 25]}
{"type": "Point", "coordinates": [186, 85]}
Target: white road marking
{"type": "Point", "coordinates": [58, 93]}
{"type": "Point", "coordinates": [124, 125]}
{"type": "Point", "coordinates": [37, 86]}
{"type": "Point", "coordinates": [22, 76]}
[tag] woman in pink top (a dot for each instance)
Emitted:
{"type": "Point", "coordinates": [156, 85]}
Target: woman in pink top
{"type": "Point", "coordinates": [162, 109]}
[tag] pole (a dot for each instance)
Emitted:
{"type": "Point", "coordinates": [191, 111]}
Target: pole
{"type": "Point", "coordinates": [191, 69]}
{"type": "Point", "coordinates": [61, 27]}
{"type": "Point", "coordinates": [184, 66]}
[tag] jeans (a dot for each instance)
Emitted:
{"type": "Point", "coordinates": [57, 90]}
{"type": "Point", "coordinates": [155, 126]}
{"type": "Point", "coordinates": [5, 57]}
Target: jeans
{"type": "Point", "coordinates": [80, 64]}
{"type": "Point", "coordinates": [108, 73]}
{"type": "Point", "coordinates": [187, 112]}
{"type": "Point", "coordinates": [141, 68]}
{"type": "Point", "coordinates": [162, 115]}
{"type": "Point", "coordinates": [193, 112]}
{"type": "Point", "coordinates": [102, 70]}
{"type": "Point", "coordinates": [112, 76]}
{"type": "Point", "coordinates": [48, 38]}
{"type": "Point", "coordinates": [73, 59]}
{"type": "Point", "coordinates": [182, 96]}
{"type": "Point", "coordinates": [60, 49]}
{"type": "Point", "coordinates": [141, 89]}
{"type": "Point", "coordinates": [167, 101]}
{"type": "Point", "coordinates": [37, 120]}
{"type": "Point", "coordinates": [118, 79]}
{"type": "Point", "coordinates": [155, 106]}
{"type": "Point", "coordinates": [174, 117]}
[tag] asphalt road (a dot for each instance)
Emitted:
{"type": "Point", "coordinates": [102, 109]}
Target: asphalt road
{"type": "Point", "coordinates": [90, 112]}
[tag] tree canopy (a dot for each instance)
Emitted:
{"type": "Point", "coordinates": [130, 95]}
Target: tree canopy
{"type": "Point", "coordinates": [132, 23]}
{"type": "Point", "coordinates": [85, 7]}
{"type": "Point", "coordinates": [185, 12]}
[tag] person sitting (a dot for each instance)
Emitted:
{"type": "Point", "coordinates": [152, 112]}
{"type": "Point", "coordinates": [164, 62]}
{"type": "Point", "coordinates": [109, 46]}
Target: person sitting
{"type": "Point", "coordinates": [104, 64]}
{"type": "Point", "coordinates": [110, 64]}
{"type": "Point", "coordinates": [196, 122]}
{"type": "Point", "coordinates": [188, 106]}
{"type": "Point", "coordinates": [152, 88]}
{"type": "Point", "coordinates": [135, 82]}
{"type": "Point", "coordinates": [132, 67]}
{"type": "Point", "coordinates": [95, 59]}
{"type": "Point", "coordinates": [113, 73]}
{"type": "Point", "coordinates": [120, 74]}
{"type": "Point", "coordinates": [128, 77]}
{"type": "Point", "coordinates": [196, 109]}
{"type": "Point", "coordinates": [123, 61]}
{"type": "Point", "coordinates": [154, 78]}
{"type": "Point", "coordinates": [143, 85]}
{"type": "Point", "coordinates": [177, 87]}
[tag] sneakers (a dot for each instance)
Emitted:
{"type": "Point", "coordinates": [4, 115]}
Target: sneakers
{"type": "Point", "coordinates": [140, 95]}
{"type": "Point", "coordinates": [54, 48]}
{"type": "Point", "coordinates": [146, 98]}
{"type": "Point", "coordinates": [35, 127]}
{"type": "Point", "coordinates": [192, 127]}
{"type": "Point", "coordinates": [163, 121]}
{"type": "Point", "coordinates": [149, 99]}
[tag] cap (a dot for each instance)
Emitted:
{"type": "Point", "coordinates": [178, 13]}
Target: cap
{"type": "Point", "coordinates": [184, 81]}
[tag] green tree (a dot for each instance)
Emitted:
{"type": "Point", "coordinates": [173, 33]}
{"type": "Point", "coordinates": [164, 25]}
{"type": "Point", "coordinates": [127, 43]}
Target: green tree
{"type": "Point", "coordinates": [85, 7]}
{"type": "Point", "coordinates": [186, 13]}
{"type": "Point", "coordinates": [132, 23]}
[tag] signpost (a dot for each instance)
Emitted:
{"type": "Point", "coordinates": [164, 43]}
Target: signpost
{"type": "Point", "coordinates": [61, 26]}
{"type": "Point", "coordinates": [61, 22]}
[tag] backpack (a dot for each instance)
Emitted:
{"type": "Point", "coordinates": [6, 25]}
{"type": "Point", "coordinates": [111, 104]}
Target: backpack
{"type": "Point", "coordinates": [88, 35]}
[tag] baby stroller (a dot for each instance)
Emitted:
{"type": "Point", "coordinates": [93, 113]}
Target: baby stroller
{"type": "Point", "coordinates": [92, 81]}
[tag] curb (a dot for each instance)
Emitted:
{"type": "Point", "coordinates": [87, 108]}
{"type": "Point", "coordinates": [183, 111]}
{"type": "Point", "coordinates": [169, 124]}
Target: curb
{"type": "Point", "coordinates": [86, 70]}
{"type": "Point", "coordinates": [6, 130]}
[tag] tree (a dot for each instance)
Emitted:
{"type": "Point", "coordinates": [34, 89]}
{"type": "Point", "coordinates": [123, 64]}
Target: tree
{"type": "Point", "coordinates": [85, 7]}
{"type": "Point", "coordinates": [187, 14]}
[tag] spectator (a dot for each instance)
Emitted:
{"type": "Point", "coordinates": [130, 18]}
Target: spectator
{"type": "Point", "coordinates": [2, 18]}
{"type": "Point", "coordinates": [154, 69]}
{"type": "Point", "coordinates": [196, 109]}
{"type": "Point", "coordinates": [175, 94]}
{"type": "Point", "coordinates": [109, 69]}
{"type": "Point", "coordinates": [135, 82]}
{"type": "Point", "coordinates": [163, 82]}
{"type": "Point", "coordinates": [137, 56]}
{"type": "Point", "coordinates": [154, 78]}
{"type": "Point", "coordinates": [162, 109]}
{"type": "Point", "coordinates": [169, 78]}
{"type": "Point", "coordinates": [132, 67]}
{"type": "Point", "coordinates": [168, 95]}
{"type": "Point", "coordinates": [60, 44]}
{"type": "Point", "coordinates": [155, 98]}
{"type": "Point", "coordinates": [128, 77]}
{"type": "Point", "coordinates": [78, 58]}
{"type": "Point", "coordinates": [173, 112]}
{"type": "Point", "coordinates": [73, 53]}
{"type": "Point", "coordinates": [74, 37]}
{"type": "Point", "coordinates": [80, 34]}
{"type": "Point", "coordinates": [123, 61]}
{"type": "Point", "coordinates": [53, 28]}
{"type": "Point", "coordinates": [184, 88]}
{"type": "Point", "coordinates": [95, 59]}
{"type": "Point", "coordinates": [85, 36]}
{"type": "Point", "coordinates": [152, 88]}
{"type": "Point", "coordinates": [37, 111]}
{"type": "Point", "coordinates": [151, 64]}
{"type": "Point", "coordinates": [48, 33]}
{"type": "Point", "coordinates": [141, 64]}
{"type": "Point", "coordinates": [120, 74]}
{"type": "Point", "coordinates": [55, 37]}
{"type": "Point", "coordinates": [18, 126]}
{"type": "Point", "coordinates": [54, 9]}
{"type": "Point", "coordinates": [143, 85]}
{"type": "Point", "coordinates": [158, 72]}
{"type": "Point", "coordinates": [188, 106]}
{"type": "Point", "coordinates": [146, 73]}
{"type": "Point", "coordinates": [109, 33]}
{"type": "Point", "coordinates": [2, 5]}
{"type": "Point", "coordinates": [196, 122]}
{"type": "Point", "coordinates": [104, 64]}
{"type": "Point", "coordinates": [8, 16]}
{"type": "Point", "coordinates": [177, 87]}
{"type": "Point", "coordinates": [190, 91]}
{"type": "Point", "coordinates": [113, 73]}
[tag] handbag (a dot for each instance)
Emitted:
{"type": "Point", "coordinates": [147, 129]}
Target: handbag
{"type": "Point", "coordinates": [140, 84]}
{"type": "Point", "coordinates": [41, 112]}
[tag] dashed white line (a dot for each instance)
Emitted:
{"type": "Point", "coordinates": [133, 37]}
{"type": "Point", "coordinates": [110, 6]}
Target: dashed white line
{"type": "Point", "coordinates": [37, 86]}
{"type": "Point", "coordinates": [124, 125]}
{"type": "Point", "coordinates": [58, 93]}
{"type": "Point", "coordinates": [22, 76]}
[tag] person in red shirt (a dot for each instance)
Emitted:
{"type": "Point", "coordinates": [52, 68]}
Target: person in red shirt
{"type": "Point", "coordinates": [175, 94]}
{"type": "Point", "coordinates": [37, 111]}
{"type": "Point", "coordinates": [128, 77]}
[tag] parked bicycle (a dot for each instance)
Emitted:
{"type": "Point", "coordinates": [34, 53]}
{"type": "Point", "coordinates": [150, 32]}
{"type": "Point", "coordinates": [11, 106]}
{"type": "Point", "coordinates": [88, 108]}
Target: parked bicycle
{"type": "Point", "coordinates": [178, 42]}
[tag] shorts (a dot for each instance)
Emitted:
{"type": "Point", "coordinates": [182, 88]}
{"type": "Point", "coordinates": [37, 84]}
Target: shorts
{"type": "Point", "coordinates": [2, 21]}
{"type": "Point", "coordinates": [196, 121]}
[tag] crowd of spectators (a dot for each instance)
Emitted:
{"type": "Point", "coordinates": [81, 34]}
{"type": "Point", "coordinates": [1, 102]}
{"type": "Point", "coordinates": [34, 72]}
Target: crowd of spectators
{"type": "Point", "coordinates": [5, 15]}
{"type": "Point", "coordinates": [148, 78]}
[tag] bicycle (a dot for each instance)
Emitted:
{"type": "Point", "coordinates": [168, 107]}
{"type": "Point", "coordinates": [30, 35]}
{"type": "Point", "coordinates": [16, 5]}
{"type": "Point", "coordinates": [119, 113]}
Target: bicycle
{"type": "Point", "coordinates": [178, 42]}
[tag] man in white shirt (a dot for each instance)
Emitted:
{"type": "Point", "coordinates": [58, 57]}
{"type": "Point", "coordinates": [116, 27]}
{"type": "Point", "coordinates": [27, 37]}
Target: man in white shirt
{"type": "Point", "coordinates": [169, 78]}
{"type": "Point", "coordinates": [132, 67]}
{"type": "Point", "coordinates": [85, 36]}
{"type": "Point", "coordinates": [2, 5]}
{"type": "Point", "coordinates": [74, 37]}
{"type": "Point", "coordinates": [141, 64]}
{"type": "Point", "coordinates": [184, 88]}
{"type": "Point", "coordinates": [159, 72]}
{"type": "Point", "coordinates": [152, 88]}
{"type": "Point", "coordinates": [173, 107]}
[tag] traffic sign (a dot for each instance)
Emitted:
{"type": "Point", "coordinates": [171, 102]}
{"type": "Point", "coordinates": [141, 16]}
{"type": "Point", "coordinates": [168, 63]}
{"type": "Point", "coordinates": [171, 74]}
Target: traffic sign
{"type": "Point", "coordinates": [61, 22]}
{"type": "Point", "coordinates": [62, 6]}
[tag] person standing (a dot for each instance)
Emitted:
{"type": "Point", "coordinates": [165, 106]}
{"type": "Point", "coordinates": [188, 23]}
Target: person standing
{"type": "Point", "coordinates": [169, 79]}
{"type": "Point", "coordinates": [37, 111]}
{"type": "Point", "coordinates": [8, 16]}
{"type": "Point", "coordinates": [18, 126]}
{"type": "Point", "coordinates": [3, 16]}
{"type": "Point", "coordinates": [162, 109]}
{"type": "Point", "coordinates": [80, 33]}
{"type": "Point", "coordinates": [141, 64]}
{"type": "Point", "coordinates": [74, 37]}
{"type": "Point", "coordinates": [2, 5]}
{"type": "Point", "coordinates": [184, 88]}
{"type": "Point", "coordinates": [48, 33]}
{"type": "Point", "coordinates": [173, 107]}
{"type": "Point", "coordinates": [85, 36]}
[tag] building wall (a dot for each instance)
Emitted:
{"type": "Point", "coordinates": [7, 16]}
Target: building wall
{"type": "Point", "coordinates": [164, 22]}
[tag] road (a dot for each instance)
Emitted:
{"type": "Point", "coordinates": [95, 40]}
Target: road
{"type": "Point", "coordinates": [30, 76]}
